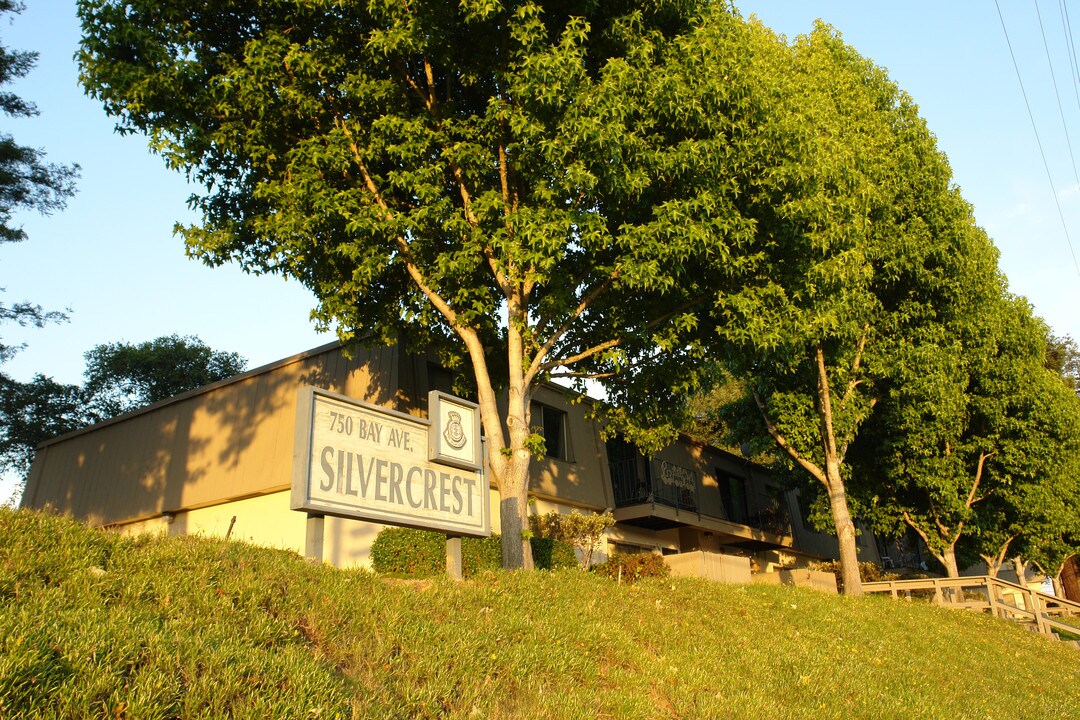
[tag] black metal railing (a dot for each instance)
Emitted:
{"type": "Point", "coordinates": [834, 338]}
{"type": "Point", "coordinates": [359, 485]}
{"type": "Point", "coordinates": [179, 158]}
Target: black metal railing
{"type": "Point", "coordinates": [634, 482]}
{"type": "Point", "coordinates": [771, 519]}
{"type": "Point", "coordinates": [627, 486]}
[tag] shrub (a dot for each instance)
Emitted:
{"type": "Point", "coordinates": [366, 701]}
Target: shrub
{"type": "Point", "coordinates": [422, 553]}
{"type": "Point", "coordinates": [551, 554]}
{"type": "Point", "coordinates": [405, 551]}
{"type": "Point", "coordinates": [868, 572]}
{"type": "Point", "coordinates": [480, 555]}
{"type": "Point", "coordinates": [633, 567]}
{"type": "Point", "coordinates": [582, 532]}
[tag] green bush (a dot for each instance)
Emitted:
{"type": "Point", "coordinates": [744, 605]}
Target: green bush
{"type": "Point", "coordinates": [551, 554]}
{"type": "Point", "coordinates": [404, 551]}
{"type": "Point", "coordinates": [582, 532]}
{"type": "Point", "coordinates": [633, 567]}
{"type": "Point", "coordinates": [422, 553]}
{"type": "Point", "coordinates": [480, 555]}
{"type": "Point", "coordinates": [868, 572]}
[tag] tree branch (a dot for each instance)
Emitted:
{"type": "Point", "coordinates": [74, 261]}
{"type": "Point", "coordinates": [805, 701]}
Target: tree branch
{"type": "Point", "coordinates": [404, 252]}
{"type": "Point", "coordinates": [918, 529]}
{"type": "Point", "coordinates": [412, 84]}
{"type": "Point", "coordinates": [854, 382]}
{"type": "Point", "coordinates": [585, 375]}
{"type": "Point", "coordinates": [792, 452]}
{"type": "Point", "coordinates": [535, 369]}
{"type": "Point", "coordinates": [983, 457]}
{"type": "Point", "coordinates": [537, 364]}
{"type": "Point", "coordinates": [551, 364]}
{"type": "Point", "coordinates": [825, 398]}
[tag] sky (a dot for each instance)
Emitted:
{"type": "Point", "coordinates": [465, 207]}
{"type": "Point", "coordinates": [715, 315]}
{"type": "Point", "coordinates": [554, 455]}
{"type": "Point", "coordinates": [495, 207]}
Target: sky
{"type": "Point", "coordinates": [111, 256]}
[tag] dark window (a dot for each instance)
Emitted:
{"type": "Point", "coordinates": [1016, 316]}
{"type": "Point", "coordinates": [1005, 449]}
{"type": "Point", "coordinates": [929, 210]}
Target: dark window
{"type": "Point", "coordinates": [774, 516]}
{"type": "Point", "coordinates": [439, 378]}
{"type": "Point", "coordinates": [733, 495]}
{"type": "Point", "coordinates": [806, 507]}
{"type": "Point", "coordinates": [551, 423]}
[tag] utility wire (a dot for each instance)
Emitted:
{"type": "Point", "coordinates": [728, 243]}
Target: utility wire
{"type": "Point", "coordinates": [1070, 44]}
{"type": "Point", "coordinates": [1057, 95]}
{"type": "Point", "coordinates": [1038, 140]}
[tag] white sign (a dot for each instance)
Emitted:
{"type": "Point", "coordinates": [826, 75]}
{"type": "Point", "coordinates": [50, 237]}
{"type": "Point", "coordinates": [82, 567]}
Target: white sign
{"type": "Point", "coordinates": [455, 431]}
{"type": "Point", "coordinates": [360, 461]}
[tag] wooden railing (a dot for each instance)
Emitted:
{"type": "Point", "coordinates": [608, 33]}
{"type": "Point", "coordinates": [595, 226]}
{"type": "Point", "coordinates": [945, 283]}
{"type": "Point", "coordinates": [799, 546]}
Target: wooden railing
{"type": "Point", "coordinates": [1000, 598]}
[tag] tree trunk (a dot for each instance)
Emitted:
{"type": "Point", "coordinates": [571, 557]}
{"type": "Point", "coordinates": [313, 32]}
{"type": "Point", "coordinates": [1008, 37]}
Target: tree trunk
{"type": "Point", "coordinates": [511, 474]}
{"type": "Point", "coordinates": [1020, 568]}
{"type": "Point", "coordinates": [845, 534]}
{"type": "Point", "coordinates": [513, 516]}
{"type": "Point", "coordinates": [508, 457]}
{"type": "Point", "coordinates": [834, 483]}
{"type": "Point", "coordinates": [948, 559]}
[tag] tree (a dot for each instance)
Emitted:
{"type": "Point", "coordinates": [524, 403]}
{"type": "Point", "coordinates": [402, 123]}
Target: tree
{"type": "Point", "coordinates": [1063, 358]}
{"type": "Point", "coordinates": [33, 412]}
{"type": "Point", "coordinates": [26, 181]}
{"type": "Point", "coordinates": [973, 427]}
{"type": "Point", "coordinates": [1042, 504]}
{"type": "Point", "coordinates": [861, 235]}
{"type": "Point", "coordinates": [121, 377]}
{"type": "Point", "coordinates": [537, 189]}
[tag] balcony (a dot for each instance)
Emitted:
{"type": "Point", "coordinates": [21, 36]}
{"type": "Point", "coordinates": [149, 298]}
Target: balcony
{"type": "Point", "coordinates": [657, 494]}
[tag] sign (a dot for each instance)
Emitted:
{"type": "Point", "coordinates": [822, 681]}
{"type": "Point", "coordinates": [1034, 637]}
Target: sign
{"type": "Point", "coordinates": [455, 431]}
{"type": "Point", "coordinates": [678, 476]}
{"type": "Point", "coordinates": [356, 460]}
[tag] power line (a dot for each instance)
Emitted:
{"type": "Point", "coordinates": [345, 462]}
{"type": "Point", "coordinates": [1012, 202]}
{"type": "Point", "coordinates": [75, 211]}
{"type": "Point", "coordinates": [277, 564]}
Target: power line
{"type": "Point", "coordinates": [1038, 139]}
{"type": "Point", "coordinates": [1070, 44]}
{"type": "Point", "coordinates": [1057, 94]}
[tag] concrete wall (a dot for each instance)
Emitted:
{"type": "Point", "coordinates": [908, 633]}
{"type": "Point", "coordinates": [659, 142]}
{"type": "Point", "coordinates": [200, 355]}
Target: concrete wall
{"type": "Point", "coordinates": [711, 566]}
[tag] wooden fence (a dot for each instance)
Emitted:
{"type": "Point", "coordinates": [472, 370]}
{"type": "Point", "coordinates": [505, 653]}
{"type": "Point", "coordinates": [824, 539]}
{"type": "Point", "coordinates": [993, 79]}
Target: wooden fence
{"type": "Point", "coordinates": [1000, 598]}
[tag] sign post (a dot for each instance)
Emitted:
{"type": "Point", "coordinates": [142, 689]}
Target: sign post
{"type": "Point", "coordinates": [453, 557]}
{"type": "Point", "coordinates": [356, 460]}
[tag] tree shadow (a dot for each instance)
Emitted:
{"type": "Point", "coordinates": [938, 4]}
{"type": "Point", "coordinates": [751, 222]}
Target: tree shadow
{"type": "Point", "coordinates": [227, 441]}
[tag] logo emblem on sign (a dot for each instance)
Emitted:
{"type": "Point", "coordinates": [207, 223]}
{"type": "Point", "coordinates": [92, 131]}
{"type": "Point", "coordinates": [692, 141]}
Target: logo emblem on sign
{"type": "Point", "coordinates": [454, 433]}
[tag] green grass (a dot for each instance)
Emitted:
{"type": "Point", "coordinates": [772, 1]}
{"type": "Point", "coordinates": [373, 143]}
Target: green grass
{"type": "Point", "coordinates": [93, 624]}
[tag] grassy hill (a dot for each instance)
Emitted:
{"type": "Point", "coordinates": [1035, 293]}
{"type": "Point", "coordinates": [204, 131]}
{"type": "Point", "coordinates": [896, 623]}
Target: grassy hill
{"type": "Point", "coordinates": [97, 625]}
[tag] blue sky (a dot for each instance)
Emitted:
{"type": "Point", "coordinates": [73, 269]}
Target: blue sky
{"type": "Point", "coordinates": [112, 258]}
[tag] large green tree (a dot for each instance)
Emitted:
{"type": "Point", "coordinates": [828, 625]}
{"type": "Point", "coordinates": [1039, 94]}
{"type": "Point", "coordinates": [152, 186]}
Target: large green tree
{"type": "Point", "coordinates": [34, 411]}
{"type": "Point", "coordinates": [1063, 358]}
{"type": "Point", "coordinates": [121, 376]}
{"type": "Point", "coordinates": [534, 188]}
{"type": "Point", "coordinates": [1033, 512]}
{"type": "Point", "coordinates": [860, 237]}
{"type": "Point", "coordinates": [972, 433]}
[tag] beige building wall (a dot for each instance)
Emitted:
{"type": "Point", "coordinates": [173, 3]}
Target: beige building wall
{"type": "Point", "coordinates": [230, 440]}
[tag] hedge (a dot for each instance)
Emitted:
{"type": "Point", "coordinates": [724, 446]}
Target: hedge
{"type": "Point", "coordinates": [422, 553]}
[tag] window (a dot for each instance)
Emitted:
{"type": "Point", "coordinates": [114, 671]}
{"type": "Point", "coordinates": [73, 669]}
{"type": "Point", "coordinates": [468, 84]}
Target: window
{"type": "Point", "coordinates": [551, 423]}
{"type": "Point", "coordinates": [733, 495]}
{"type": "Point", "coordinates": [441, 379]}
